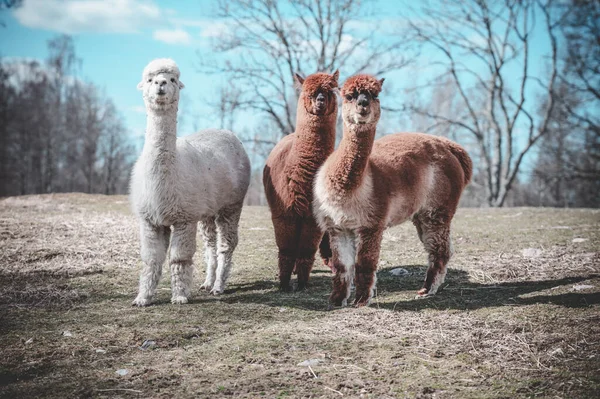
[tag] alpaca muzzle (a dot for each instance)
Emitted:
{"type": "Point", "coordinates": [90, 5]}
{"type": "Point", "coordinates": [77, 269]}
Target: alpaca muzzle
{"type": "Point", "coordinates": [362, 100]}
{"type": "Point", "coordinates": [320, 103]}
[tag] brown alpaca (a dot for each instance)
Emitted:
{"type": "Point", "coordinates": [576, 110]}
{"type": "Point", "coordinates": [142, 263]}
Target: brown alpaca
{"type": "Point", "coordinates": [289, 174]}
{"type": "Point", "coordinates": [366, 186]}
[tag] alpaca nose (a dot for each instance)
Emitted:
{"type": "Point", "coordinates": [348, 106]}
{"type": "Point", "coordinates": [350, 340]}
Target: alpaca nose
{"type": "Point", "coordinates": [362, 100]}
{"type": "Point", "coordinates": [162, 85]}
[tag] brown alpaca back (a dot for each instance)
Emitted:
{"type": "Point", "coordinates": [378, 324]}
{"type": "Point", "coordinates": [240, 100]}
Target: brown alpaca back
{"type": "Point", "coordinates": [421, 170]}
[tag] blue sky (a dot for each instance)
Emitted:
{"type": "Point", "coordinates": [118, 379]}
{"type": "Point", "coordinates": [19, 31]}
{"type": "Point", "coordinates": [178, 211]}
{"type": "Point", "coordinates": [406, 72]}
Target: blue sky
{"type": "Point", "coordinates": [115, 39]}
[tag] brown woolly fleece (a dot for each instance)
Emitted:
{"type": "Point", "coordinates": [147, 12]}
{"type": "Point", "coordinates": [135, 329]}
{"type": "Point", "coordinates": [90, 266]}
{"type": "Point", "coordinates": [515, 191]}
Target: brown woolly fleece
{"type": "Point", "coordinates": [366, 186]}
{"type": "Point", "coordinates": [361, 84]}
{"type": "Point", "coordinates": [288, 178]}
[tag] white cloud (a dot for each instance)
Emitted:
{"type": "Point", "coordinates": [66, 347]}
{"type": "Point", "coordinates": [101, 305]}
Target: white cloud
{"type": "Point", "coordinates": [172, 36]}
{"type": "Point", "coordinates": [215, 29]}
{"type": "Point", "coordinates": [70, 16]}
{"type": "Point", "coordinates": [208, 27]}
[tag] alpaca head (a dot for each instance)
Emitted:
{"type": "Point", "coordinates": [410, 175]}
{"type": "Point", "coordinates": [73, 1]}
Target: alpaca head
{"type": "Point", "coordinates": [160, 84]}
{"type": "Point", "coordinates": [360, 104]}
{"type": "Point", "coordinates": [318, 93]}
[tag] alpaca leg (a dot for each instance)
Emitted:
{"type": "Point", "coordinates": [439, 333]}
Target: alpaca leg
{"type": "Point", "coordinates": [154, 244]}
{"type": "Point", "coordinates": [343, 255]}
{"type": "Point", "coordinates": [303, 266]}
{"type": "Point", "coordinates": [417, 224]}
{"type": "Point", "coordinates": [286, 236]}
{"type": "Point", "coordinates": [310, 236]}
{"type": "Point", "coordinates": [183, 247]}
{"type": "Point", "coordinates": [209, 236]}
{"type": "Point", "coordinates": [325, 251]}
{"type": "Point", "coordinates": [286, 262]}
{"type": "Point", "coordinates": [369, 245]}
{"type": "Point", "coordinates": [227, 228]}
{"type": "Point", "coordinates": [436, 239]}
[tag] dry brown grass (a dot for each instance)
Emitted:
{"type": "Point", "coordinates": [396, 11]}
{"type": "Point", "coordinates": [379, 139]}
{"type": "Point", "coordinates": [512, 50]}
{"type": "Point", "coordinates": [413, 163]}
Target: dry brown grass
{"type": "Point", "coordinates": [504, 326]}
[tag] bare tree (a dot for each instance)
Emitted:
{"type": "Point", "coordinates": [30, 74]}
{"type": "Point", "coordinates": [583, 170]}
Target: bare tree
{"type": "Point", "coordinates": [581, 29]}
{"type": "Point", "coordinates": [62, 62]}
{"type": "Point", "coordinates": [568, 165]}
{"type": "Point", "coordinates": [114, 153]}
{"type": "Point", "coordinates": [551, 175]}
{"type": "Point", "coordinates": [277, 38]}
{"type": "Point", "coordinates": [58, 133]}
{"type": "Point", "coordinates": [227, 107]}
{"type": "Point", "coordinates": [484, 48]}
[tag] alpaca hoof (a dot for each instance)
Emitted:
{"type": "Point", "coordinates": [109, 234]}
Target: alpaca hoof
{"type": "Point", "coordinates": [216, 291]}
{"type": "Point", "coordinates": [301, 286]}
{"type": "Point", "coordinates": [360, 303]}
{"type": "Point", "coordinates": [179, 300]}
{"type": "Point", "coordinates": [424, 293]}
{"type": "Point", "coordinates": [286, 287]}
{"type": "Point", "coordinates": [141, 301]}
{"type": "Point", "coordinates": [336, 303]}
{"type": "Point", "coordinates": [206, 287]}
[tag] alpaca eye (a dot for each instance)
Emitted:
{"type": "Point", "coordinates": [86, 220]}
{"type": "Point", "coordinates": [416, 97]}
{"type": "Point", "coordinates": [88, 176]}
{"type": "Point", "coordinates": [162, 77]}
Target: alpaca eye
{"type": "Point", "coordinates": [349, 97]}
{"type": "Point", "coordinates": [149, 80]}
{"type": "Point", "coordinates": [173, 80]}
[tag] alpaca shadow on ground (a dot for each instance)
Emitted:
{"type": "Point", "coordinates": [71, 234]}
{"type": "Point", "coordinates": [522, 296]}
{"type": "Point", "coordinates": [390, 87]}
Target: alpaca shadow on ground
{"type": "Point", "coordinates": [266, 292]}
{"type": "Point", "coordinates": [456, 293]}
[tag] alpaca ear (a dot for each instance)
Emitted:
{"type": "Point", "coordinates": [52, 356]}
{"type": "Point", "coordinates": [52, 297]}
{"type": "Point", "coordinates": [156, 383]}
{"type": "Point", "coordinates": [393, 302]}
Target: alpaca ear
{"type": "Point", "coordinates": [181, 85]}
{"type": "Point", "coordinates": [140, 85]}
{"type": "Point", "coordinates": [336, 75]}
{"type": "Point", "coordinates": [299, 80]}
{"type": "Point", "coordinates": [381, 81]}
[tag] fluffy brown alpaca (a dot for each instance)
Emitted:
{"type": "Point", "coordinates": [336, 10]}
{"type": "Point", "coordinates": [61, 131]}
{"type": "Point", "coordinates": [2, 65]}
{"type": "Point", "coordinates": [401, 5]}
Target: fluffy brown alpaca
{"type": "Point", "coordinates": [366, 186]}
{"type": "Point", "coordinates": [289, 174]}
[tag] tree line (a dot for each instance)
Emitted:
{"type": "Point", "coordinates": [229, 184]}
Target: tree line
{"type": "Point", "coordinates": [59, 133]}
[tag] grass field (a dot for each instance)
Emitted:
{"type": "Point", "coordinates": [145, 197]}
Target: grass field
{"type": "Point", "coordinates": [519, 315]}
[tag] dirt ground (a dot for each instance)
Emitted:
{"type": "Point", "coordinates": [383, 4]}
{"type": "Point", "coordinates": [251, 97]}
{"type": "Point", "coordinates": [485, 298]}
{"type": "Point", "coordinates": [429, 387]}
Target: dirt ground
{"type": "Point", "coordinates": [518, 317]}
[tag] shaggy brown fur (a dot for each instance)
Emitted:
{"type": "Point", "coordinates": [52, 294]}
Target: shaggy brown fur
{"type": "Point", "coordinates": [289, 173]}
{"type": "Point", "coordinates": [366, 186]}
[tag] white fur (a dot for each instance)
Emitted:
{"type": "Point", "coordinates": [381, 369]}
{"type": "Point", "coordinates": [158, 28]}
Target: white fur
{"type": "Point", "coordinates": [180, 181]}
{"type": "Point", "coordinates": [341, 217]}
{"type": "Point", "coordinates": [349, 212]}
{"type": "Point", "coordinates": [344, 242]}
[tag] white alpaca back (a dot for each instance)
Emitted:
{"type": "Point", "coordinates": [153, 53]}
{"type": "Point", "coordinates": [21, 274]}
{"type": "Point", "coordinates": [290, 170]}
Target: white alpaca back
{"type": "Point", "coordinates": [209, 171]}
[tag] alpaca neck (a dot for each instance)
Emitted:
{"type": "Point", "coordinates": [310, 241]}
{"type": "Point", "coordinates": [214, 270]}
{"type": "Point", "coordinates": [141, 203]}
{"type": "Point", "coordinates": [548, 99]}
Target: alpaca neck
{"type": "Point", "coordinates": [161, 138]}
{"type": "Point", "coordinates": [315, 140]}
{"type": "Point", "coordinates": [349, 164]}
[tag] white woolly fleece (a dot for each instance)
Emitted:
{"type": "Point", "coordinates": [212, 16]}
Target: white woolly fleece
{"type": "Point", "coordinates": [161, 65]}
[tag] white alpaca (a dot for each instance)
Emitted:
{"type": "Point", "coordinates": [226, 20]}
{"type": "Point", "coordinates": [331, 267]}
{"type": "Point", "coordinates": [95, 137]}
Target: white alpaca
{"type": "Point", "coordinates": [179, 182]}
